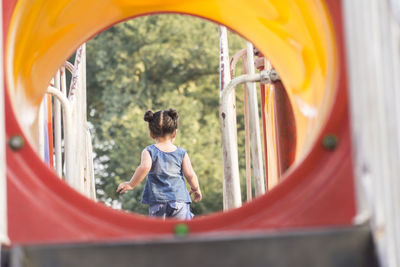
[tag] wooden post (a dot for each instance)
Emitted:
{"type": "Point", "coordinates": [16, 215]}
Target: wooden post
{"type": "Point", "coordinates": [231, 180]}
{"type": "Point", "coordinates": [373, 41]}
{"type": "Point", "coordinates": [256, 149]}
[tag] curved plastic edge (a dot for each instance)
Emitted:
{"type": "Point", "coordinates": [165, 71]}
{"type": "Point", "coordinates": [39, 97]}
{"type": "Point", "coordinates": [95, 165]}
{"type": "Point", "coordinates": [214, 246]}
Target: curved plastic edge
{"type": "Point", "coordinates": [318, 192]}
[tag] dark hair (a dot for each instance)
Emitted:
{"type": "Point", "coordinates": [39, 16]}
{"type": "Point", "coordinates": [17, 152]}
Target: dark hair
{"type": "Point", "coordinates": [162, 122]}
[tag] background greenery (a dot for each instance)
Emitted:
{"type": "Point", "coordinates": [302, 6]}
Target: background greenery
{"type": "Point", "coordinates": [157, 62]}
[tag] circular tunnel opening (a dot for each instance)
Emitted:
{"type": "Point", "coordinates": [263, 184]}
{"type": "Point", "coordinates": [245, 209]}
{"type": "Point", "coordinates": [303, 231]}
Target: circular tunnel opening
{"type": "Point", "coordinates": [158, 62]}
{"type": "Point", "coordinates": [305, 60]}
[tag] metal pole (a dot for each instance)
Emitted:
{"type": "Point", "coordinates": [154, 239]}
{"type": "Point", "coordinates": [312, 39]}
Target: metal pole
{"type": "Point", "coordinates": [64, 92]}
{"type": "Point", "coordinates": [256, 148]}
{"type": "Point", "coordinates": [74, 131]}
{"type": "Point", "coordinates": [69, 156]}
{"type": "Point", "coordinates": [3, 188]}
{"type": "Point", "coordinates": [88, 173]}
{"type": "Point", "coordinates": [263, 89]}
{"type": "Point", "coordinates": [229, 143]}
{"type": "Point", "coordinates": [242, 55]}
{"type": "Point", "coordinates": [75, 75]}
{"type": "Point", "coordinates": [57, 125]}
{"type": "Point", "coordinates": [69, 66]}
{"type": "Point", "coordinates": [40, 122]}
{"type": "Point", "coordinates": [63, 75]}
{"type": "Point", "coordinates": [83, 79]}
{"type": "Point", "coordinates": [271, 155]}
{"type": "Point", "coordinates": [239, 55]}
{"type": "Point", "coordinates": [79, 115]}
{"type": "Point", "coordinates": [89, 167]}
{"type": "Point", "coordinates": [247, 136]}
{"type": "Point", "coordinates": [373, 41]}
{"type": "Point", "coordinates": [225, 76]}
{"type": "Point", "coordinates": [231, 181]}
{"type": "Point", "coordinates": [83, 129]}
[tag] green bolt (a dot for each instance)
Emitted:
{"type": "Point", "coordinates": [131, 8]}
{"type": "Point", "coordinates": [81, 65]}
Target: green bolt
{"type": "Point", "coordinates": [16, 142]}
{"type": "Point", "coordinates": [330, 141]}
{"type": "Point", "coordinates": [181, 229]}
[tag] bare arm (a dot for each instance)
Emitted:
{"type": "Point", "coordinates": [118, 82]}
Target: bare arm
{"type": "Point", "coordinates": [141, 171]}
{"type": "Point", "coordinates": [191, 177]}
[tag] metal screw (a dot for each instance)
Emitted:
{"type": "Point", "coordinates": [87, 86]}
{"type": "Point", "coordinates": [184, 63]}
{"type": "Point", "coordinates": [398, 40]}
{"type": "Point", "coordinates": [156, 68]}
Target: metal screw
{"type": "Point", "coordinates": [330, 141]}
{"type": "Point", "coordinates": [181, 229]}
{"type": "Point", "coordinates": [265, 77]}
{"type": "Point", "coordinates": [269, 76]}
{"type": "Point", "coordinates": [274, 76]}
{"type": "Point", "coordinates": [16, 142]}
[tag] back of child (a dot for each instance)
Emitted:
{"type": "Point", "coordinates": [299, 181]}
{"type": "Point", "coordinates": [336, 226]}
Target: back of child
{"type": "Point", "coordinates": [166, 167]}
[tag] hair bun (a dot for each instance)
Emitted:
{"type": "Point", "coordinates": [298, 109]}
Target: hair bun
{"type": "Point", "coordinates": [148, 116]}
{"type": "Point", "coordinates": [173, 113]}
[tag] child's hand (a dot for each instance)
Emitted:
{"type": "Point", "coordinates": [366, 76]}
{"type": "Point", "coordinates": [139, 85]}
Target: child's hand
{"type": "Point", "coordinates": [197, 194]}
{"type": "Point", "coordinates": [125, 186]}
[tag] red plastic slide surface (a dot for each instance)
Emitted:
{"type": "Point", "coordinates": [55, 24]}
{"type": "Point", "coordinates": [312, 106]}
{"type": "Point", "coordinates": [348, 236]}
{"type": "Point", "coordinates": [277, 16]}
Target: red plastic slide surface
{"type": "Point", "coordinates": [318, 192]}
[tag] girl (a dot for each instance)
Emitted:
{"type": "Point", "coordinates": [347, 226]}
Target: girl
{"type": "Point", "coordinates": [166, 165]}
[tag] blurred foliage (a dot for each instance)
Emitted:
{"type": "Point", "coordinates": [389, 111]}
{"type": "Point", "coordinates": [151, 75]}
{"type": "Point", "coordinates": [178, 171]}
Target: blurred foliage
{"type": "Point", "coordinates": [157, 62]}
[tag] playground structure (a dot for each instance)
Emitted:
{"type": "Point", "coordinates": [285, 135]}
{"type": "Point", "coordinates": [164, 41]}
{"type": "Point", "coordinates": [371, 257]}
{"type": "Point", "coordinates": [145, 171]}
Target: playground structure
{"type": "Point", "coordinates": [308, 52]}
{"type": "Point", "coordinates": [77, 141]}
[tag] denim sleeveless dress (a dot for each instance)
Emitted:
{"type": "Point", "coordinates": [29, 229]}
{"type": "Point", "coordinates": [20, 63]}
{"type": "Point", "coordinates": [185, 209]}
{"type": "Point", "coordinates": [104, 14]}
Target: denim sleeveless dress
{"type": "Point", "coordinates": [165, 182]}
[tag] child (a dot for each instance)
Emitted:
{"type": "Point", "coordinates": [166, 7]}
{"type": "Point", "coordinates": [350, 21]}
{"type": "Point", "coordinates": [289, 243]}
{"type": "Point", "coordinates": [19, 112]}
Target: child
{"type": "Point", "coordinates": [165, 190]}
